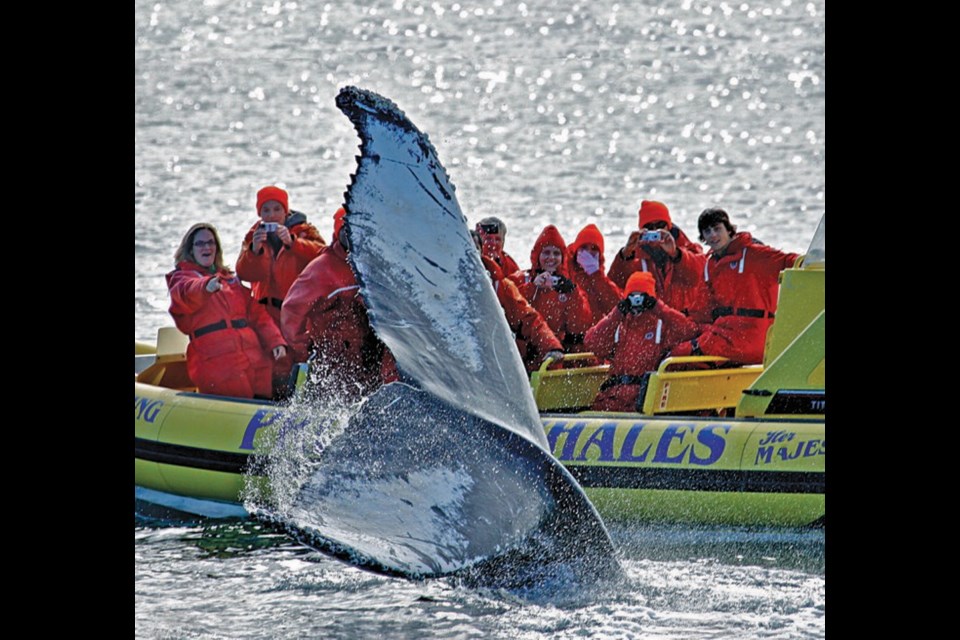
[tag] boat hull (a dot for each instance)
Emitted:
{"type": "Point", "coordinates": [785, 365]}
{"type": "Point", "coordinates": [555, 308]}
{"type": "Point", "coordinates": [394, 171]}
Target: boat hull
{"type": "Point", "coordinates": [633, 468]}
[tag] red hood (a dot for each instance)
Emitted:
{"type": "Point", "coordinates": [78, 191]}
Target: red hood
{"type": "Point", "coordinates": [590, 234]}
{"type": "Point", "coordinates": [550, 236]}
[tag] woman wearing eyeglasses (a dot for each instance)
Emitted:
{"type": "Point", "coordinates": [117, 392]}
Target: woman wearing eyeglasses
{"type": "Point", "coordinates": [233, 340]}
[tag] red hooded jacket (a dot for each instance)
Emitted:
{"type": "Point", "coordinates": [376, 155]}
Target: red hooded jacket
{"type": "Point", "coordinates": [563, 306]}
{"type": "Point", "coordinates": [676, 291]}
{"type": "Point", "coordinates": [634, 344]}
{"type": "Point", "coordinates": [323, 310]}
{"type": "Point", "coordinates": [231, 336]}
{"type": "Point", "coordinates": [273, 270]}
{"type": "Point", "coordinates": [601, 293]}
{"type": "Point", "coordinates": [533, 335]}
{"type": "Point", "coordinates": [741, 288]}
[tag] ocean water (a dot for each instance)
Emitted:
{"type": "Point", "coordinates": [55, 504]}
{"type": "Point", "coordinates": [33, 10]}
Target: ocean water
{"type": "Point", "coordinates": [542, 112]}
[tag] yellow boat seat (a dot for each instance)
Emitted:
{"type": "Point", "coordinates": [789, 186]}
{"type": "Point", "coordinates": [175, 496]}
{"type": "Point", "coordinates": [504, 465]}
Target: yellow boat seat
{"type": "Point", "coordinates": [687, 391]}
{"type": "Point", "coordinates": [170, 367]}
{"type": "Point", "coordinates": [567, 389]}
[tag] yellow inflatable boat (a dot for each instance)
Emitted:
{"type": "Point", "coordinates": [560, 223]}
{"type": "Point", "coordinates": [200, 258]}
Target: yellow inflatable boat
{"type": "Point", "coordinates": [736, 445]}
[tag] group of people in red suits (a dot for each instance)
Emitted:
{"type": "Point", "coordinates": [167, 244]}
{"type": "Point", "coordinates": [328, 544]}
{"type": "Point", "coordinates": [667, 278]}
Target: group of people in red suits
{"type": "Point", "coordinates": [662, 295]}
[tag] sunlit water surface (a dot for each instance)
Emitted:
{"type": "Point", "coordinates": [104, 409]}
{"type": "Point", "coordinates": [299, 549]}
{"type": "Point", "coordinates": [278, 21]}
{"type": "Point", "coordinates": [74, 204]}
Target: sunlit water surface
{"type": "Point", "coordinates": [542, 112]}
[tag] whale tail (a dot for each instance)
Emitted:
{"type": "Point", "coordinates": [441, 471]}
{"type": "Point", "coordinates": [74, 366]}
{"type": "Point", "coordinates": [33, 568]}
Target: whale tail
{"type": "Point", "coordinates": [447, 472]}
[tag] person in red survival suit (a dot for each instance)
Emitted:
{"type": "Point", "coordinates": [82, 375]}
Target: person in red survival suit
{"type": "Point", "coordinates": [231, 336]}
{"type": "Point", "coordinates": [276, 249]}
{"type": "Point", "coordinates": [740, 276]}
{"type": "Point", "coordinates": [323, 313]}
{"type": "Point", "coordinates": [634, 337]}
{"type": "Point", "coordinates": [493, 233]}
{"type": "Point", "coordinates": [585, 258]}
{"type": "Point", "coordinates": [549, 289]}
{"type": "Point", "coordinates": [656, 248]}
{"type": "Point", "coordinates": [535, 341]}
{"type": "Point", "coordinates": [274, 252]}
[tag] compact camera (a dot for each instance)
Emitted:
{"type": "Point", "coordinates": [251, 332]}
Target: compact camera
{"type": "Point", "coordinates": [650, 236]}
{"type": "Point", "coordinates": [637, 299]}
{"type": "Point", "coordinates": [271, 227]}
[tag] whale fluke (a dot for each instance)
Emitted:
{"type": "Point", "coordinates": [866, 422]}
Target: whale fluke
{"type": "Point", "coordinates": [447, 472]}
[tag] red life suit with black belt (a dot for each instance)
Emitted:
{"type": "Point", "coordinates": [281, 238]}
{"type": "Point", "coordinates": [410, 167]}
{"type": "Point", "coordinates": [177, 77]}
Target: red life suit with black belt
{"type": "Point", "coordinates": [741, 288]}
{"type": "Point", "coordinates": [231, 336]}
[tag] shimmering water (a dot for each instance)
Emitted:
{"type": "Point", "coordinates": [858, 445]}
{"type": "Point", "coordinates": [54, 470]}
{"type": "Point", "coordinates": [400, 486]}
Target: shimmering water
{"type": "Point", "coordinates": [542, 112]}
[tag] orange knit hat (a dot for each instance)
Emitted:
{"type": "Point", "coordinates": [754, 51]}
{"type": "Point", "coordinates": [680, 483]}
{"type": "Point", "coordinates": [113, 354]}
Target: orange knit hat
{"type": "Point", "coordinates": [272, 193]}
{"type": "Point", "coordinates": [641, 282]}
{"type": "Point", "coordinates": [653, 211]}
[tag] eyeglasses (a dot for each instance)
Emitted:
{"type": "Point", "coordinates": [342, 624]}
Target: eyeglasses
{"type": "Point", "coordinates": [653, 226]}
{"type": "Point", "coordinates": [490, 228]}
{"type": "Point", "coordinates": [200, 244]}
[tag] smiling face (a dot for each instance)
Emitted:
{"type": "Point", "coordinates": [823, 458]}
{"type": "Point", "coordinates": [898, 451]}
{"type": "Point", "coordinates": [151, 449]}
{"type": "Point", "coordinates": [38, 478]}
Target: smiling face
{"type": "Point", "coordinates": [204, 248]}
{"type": "Point", "coordinates": [717, 237]}
{"type": "Point", "coordinates": [550, 258]}
{"type": "Point", "coordinates": [272, 211]}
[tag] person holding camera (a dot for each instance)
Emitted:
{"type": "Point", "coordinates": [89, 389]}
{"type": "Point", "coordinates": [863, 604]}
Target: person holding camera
{"type": "Point", "coordinates": [634, 337]}
{"type": "Point", "coordinates": [549, 289]}
{"type": "Point", "coordinates": [493, 233]}
{"type": "Point", "coordinates": [741, 279]}
{"type": "Point", "coordinates": [535, 340]}
{"type": "Point", "coordinates": [275, 250]}
{"type": "Point", "coordinates": [233, 340]}
{"type": "Point", "coordinates": [656, 248]}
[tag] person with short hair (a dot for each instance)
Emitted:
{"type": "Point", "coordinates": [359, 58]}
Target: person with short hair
{"type": "Point", "coordinates": [740, 277]}
{"type": "Point", "coordinates": [656, 247]}
{"type": "Point", "coordinates": [634, 337]}
{"type": "Point", "coordinates": [492, 232]}
{"type": "Point", "coordinates": [233, 341]}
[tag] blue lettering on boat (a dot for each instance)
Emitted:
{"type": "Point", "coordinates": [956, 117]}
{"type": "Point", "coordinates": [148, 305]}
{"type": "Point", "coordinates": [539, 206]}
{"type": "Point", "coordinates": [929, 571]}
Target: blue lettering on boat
{"type": "Point", "coordinates": [803, 449]}
{"type": "Point", "coordinates": [146, 409]}
{"type": "Point", "coordinates": [714, 443]}
{"type": "Point", "coordinates": [773, 437]}
{"type": "Point", "coordinates": [572, 432]}
{"type": "Point", "coordinates": [700, 446]}
{"type": "Point", "coordinates": [602, 439]}
{"type": "Point", "coordinates": [265, 418]}
{"type": "Point", "coordinates": [627, 453]}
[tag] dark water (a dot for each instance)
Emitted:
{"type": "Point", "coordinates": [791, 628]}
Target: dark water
{"type": "Point", "coordinates": [542, 112]}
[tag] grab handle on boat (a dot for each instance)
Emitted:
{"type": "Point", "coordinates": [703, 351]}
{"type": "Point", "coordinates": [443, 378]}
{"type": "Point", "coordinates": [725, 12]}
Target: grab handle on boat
{"type": "Point", "coordinates": [567, 357]}
{"type": "Point", "coordinates": [678, 360]}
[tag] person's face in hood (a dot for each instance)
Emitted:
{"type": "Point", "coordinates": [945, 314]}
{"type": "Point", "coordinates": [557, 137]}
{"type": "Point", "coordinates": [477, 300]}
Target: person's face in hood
{"type": "Point", "coordinates": [551, 258]}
